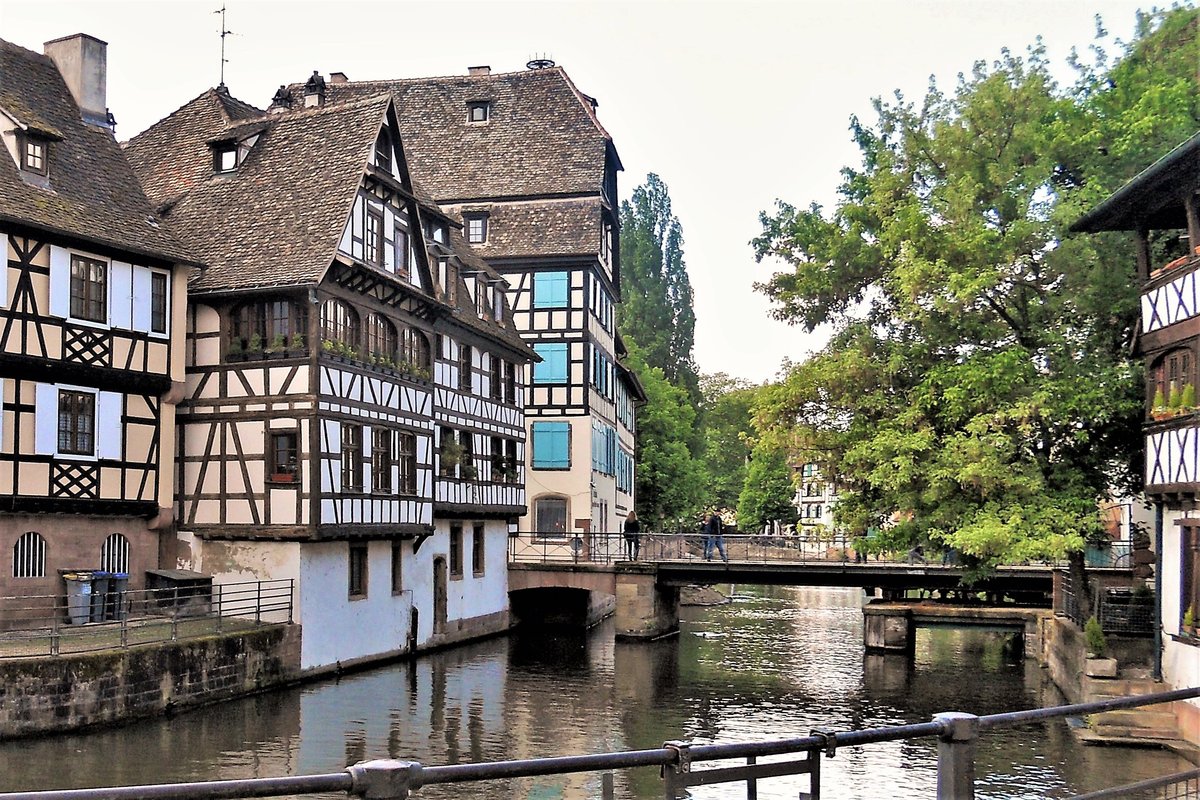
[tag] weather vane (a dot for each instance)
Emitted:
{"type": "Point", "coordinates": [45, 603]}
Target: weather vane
{"type": "Point", "coordinates": [224, 33]}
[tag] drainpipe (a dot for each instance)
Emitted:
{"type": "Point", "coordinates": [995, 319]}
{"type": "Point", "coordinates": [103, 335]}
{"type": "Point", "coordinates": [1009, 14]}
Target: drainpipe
{"type": "Point", "coordinates": [1158, 563]}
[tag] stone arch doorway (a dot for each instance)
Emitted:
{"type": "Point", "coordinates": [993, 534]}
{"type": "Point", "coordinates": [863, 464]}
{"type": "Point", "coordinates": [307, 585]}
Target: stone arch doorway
{"type": "Point", "coordinates": [440, 590]}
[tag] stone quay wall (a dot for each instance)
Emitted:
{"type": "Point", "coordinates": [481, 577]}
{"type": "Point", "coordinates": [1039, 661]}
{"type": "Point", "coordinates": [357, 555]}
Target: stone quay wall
{"type": "Point", "coordinates": [69, 692]}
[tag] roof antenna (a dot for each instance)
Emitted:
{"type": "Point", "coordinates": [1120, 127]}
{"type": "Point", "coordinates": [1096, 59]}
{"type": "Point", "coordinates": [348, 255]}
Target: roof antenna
{"type": "Point", "coordinates": [542, 62]}
{"type": "Point", "coordinates": [224, 32]}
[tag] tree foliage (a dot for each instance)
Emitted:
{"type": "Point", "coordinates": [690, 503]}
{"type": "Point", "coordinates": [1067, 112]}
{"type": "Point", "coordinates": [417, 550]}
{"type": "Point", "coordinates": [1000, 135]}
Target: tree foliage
{"type": "Point", "coordinates": [728, 437]}
{"type": "Point", "coordinates": [656, 294]}
{"type": "Point", "coordinates": [979, 389]}
{"type": "Point", "coordinates": [670, 482]}
{"type": "Point", "coordinates": [768, 494]}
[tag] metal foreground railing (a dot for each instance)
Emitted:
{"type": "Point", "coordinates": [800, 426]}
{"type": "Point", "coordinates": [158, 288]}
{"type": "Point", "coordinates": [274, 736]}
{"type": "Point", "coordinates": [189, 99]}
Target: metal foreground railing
{"type": "Point", "coordinates": [41, 625]}
{"type": "Point", "coordinates": [957, 735]}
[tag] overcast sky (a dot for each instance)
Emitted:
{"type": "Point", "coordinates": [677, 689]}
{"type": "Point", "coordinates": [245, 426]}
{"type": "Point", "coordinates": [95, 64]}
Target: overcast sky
{"type": "Point", "coordinates": [733, 104]}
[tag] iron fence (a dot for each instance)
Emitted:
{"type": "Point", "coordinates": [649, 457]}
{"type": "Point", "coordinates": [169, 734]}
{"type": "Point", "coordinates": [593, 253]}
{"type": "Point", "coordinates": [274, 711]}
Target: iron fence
{"type": "Point", "coordinates": [682, 764]}
{"type": "Point", "coordinates": [1180, 786]}
{"type": "Point", "coordinates": [38, 625]}
{"type": "Point", "coordinates": [1120, 610]}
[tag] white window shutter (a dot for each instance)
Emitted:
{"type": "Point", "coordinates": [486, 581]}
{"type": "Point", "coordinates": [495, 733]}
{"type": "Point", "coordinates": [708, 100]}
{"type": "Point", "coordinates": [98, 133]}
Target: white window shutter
{"type": "Point", "coordinates": [120, 281]}
{"type": "Point", "coordinates": [141, 299]}
{"type": "Point", "coordinates": [389, 234]}
{"type": "Point", "coordinates": [60, 281]}
{"type": "Point", "coordinates": [45, 419]}
{"type": "Point", "coordinates": [109, 430]}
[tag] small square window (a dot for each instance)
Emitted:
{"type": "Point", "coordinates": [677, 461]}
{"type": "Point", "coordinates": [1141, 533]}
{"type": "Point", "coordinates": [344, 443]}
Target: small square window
{"type": "Point", "coordinates": [477, 228]}
{"type": "Point", "coordinates": [33, 155]}
{"type": "Point", "coordinates": [225, 158]}
{"type": "Point", "coordinates": [478, 111]}
{"type": "Point", "coordinates": [283, 457]}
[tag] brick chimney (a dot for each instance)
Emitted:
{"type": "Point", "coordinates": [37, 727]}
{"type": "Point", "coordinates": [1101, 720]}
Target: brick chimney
{"type": "Point", "coordinates": [484, 70]}
{"type": "Point", "coordinates": [83, 62]}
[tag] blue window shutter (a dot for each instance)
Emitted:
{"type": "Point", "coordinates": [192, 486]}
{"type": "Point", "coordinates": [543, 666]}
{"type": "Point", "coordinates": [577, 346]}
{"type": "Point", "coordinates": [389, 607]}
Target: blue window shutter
{"type": "Point", "coordinates": [553, 367]}
{"type": "Point", "coordinates": [550, 289]}
{"type": "Point", "coordinates": [551, 445]}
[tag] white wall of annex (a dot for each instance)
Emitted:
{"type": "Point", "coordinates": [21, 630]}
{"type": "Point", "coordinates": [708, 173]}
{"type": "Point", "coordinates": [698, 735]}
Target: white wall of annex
{"type": "Point", "coordinates": [337, 628]}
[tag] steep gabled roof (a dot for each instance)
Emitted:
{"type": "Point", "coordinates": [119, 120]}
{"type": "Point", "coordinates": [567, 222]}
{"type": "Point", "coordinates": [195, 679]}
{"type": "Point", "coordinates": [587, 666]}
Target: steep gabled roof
{"type": "Point", "coordinates": [542, 137]}
{"type": "Point", "coordinates": [277, 219]}
{"type": "Point", "coordinates": [93, 195]}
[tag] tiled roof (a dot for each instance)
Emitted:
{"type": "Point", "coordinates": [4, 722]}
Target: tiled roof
{"type": "Point", "coordinates": [545, 228]}
{"type": "Point", "coordinates": [93, 194]}
{"type": "Point", "coordinates": [277, 219]}
{"type": "Point", "coordinates": [542, 137]}
{"type": "Point", "coordinates": [467, 315]}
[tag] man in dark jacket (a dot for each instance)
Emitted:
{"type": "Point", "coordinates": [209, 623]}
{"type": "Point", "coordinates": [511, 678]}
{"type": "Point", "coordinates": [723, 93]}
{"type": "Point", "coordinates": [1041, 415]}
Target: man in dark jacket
{"type": "Point", "coordinates": [713, 537]}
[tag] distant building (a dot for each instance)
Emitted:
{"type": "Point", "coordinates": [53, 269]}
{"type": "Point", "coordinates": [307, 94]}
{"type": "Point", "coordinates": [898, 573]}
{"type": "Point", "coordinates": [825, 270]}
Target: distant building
{"type": "Point", "coordinates": [92, 318]}
{"type": "Point", "coordinates": [1165, 198]}
{"type": "Point", "coordinates": [522, 160]}
{"type": "Point", "coordinates": [815, 500]}
{"type": "Point", "coordinates": [353, 418]}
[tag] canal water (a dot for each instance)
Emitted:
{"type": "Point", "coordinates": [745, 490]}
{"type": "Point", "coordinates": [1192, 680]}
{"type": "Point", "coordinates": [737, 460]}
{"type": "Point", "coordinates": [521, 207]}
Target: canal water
{"type": "Point", "coordinates": [775, 662]}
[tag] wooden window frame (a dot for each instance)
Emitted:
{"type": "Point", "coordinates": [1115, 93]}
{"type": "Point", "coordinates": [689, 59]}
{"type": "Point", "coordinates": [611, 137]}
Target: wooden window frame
{"type": "Point", "coordinates": [406, 460]}
{"type": "Point", "coordinates": [381, 337]}
{"type": "Point", "coordinates": [358, 570]}
{"type": "Point", "coordinates": [476, 225]}
{"type": "Point", "coordinates": [465, 359]}
{"type": "Point", "coordinates": [402, 250]}
{"type": "Point", "coordinates": [89, 289]}
{"type": "Point", "coordinates": [159, 301]}
{"type": "Point", "coordinates": [414, 347]}
{"type": "Point", "coordinates": [549, 531]}
{"type": "Point", "coordinates": [478, 562]}
{"type": "Point", "coordinates": [455, 555]}
{"type": "Point", "coordinates": [352, 452]}
{"type": "Point", "coordinates": [75, 408]}
{"type": "Point", "coordinates": [510, 383]}
{"type": "Point", "coordinates": [373, 238]}
{"type": "Point", "coordinates": [397, 568]}
{"type": "Point", "coordinates": [1189, 568]}
{"type": "Point", "coordinates": [35, 154]}
{"type": "Point", "coordinates": [339, 323]}
{"type": "Point", "coordinates": [496, 371]}
{"type": "Point", "coordinates": [479, 112]}
{"type": "Point", "coordinates": [383, 151]}
{"type": "Point", "coordinates": [383, 457]}
{"type": "Point", "coordinates": [279, 449]}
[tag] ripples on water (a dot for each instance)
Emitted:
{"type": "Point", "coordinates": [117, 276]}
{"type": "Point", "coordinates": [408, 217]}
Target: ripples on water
{"type": "Point", "coordinates": [775, 662]}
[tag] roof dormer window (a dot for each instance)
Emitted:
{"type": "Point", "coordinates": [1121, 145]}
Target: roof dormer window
{"type": "Point", "coordinates": [35, 154]}
{"type": "Point", "coordinates": [225, 157]}
{"type": "Point", "coordinates": [477, 227]}
{"type": "Point", "coordinates": [478, 111]}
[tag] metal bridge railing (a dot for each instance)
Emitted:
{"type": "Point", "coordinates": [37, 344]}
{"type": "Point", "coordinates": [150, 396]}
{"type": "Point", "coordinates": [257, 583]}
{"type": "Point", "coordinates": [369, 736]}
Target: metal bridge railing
{"type": "Point", "coordinates": [680, 764]}
{"type": "Point", "coordinates": [39, 625]}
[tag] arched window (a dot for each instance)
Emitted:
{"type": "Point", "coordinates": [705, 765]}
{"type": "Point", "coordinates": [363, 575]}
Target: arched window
{"type": "Point", "coordinates": [1170, 375]}
{"type": "Point", "coordinates": [550, 517]}
{"type": "Point", "coordinates": [381, 336]}
{"type": "Point", "coordinates": [275, 322]}
{"type": "Point", "coordinates": [114, 555]}
{"type": "Point", "coordinates": [414, 348]}
{"type": "Point", "coordinates": [339, 323]}
{"type": "Point", "coordinates": [29, 556]}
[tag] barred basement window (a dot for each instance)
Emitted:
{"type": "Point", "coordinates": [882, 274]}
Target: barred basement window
{"type": "Point", "coordinates": [456, 555]}
{"type": "Point", "coordinates": [397, 561]}
{"type": "Point", "coordinates": [358, 571]}
{"type": "Point", "coordinates": [114, 555]}
{"type": "Point", "coordinates": [477, 560]}
{"type": "Point", "coordinates": [29, 556]}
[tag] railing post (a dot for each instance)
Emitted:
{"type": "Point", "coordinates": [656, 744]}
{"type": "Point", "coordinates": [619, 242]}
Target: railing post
{"type": "Point", "coordinates": [956, 755]}
{"type": "Point", "coordinates": [220, 599]}
{"type": "Point", "coordinates": [291, 598]}
{"type": "Point", "coordinates": [672, 773]}
{"type": "Point", "coordinates": [258, 604]}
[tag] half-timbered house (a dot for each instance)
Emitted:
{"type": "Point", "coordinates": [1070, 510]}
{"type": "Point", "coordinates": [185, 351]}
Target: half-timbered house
{"type": "Point", "coordinates": [332, 431]}
{"type": "Point", "coordinates": [522, 159]}
{"type": "Point", "coordinates": [1161, 206]}
{"type": "Point", "coordinates": [92, 301]}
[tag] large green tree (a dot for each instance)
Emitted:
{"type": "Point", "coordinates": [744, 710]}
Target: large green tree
{"type": "Point", "coordinates": [726, 414]}
{"type": "Point", "coordinates": [656, 294]}
{"type": "Point", "coordinates": [670, 481]}
{"type": "Point", "coordinates": [978, 390]}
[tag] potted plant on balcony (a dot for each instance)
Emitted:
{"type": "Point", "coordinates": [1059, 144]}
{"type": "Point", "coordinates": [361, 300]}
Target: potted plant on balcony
{"type": "Point", "coordinates": [451, 454]}
{"type": "Point", "coordinates": [254, 347]}
{"type": "Point", "coordinates": [235, 352]}
{"type": "Point", "coordinates": [1158, 407]}
{"type": "Point", "coordinates": [296, 345]}
{"type": "Point", "coordinates": [1187, 400]}
{"type": "Point", "coordinates": [469, 471]}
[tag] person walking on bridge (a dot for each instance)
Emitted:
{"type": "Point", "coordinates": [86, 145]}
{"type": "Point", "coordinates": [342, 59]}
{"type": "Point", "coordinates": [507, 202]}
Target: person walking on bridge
{"type": "Point", "coordinates": [714, 538]}
{"type": "Point", "coordinates": [633, 536]}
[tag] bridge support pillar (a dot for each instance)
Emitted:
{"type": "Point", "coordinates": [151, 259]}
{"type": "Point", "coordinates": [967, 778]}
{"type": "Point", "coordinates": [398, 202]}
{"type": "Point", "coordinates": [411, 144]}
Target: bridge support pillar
{"type": "Point", "coordinates": [888, 629]}
{"type": "Point", "coordinates": [645, 610]}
